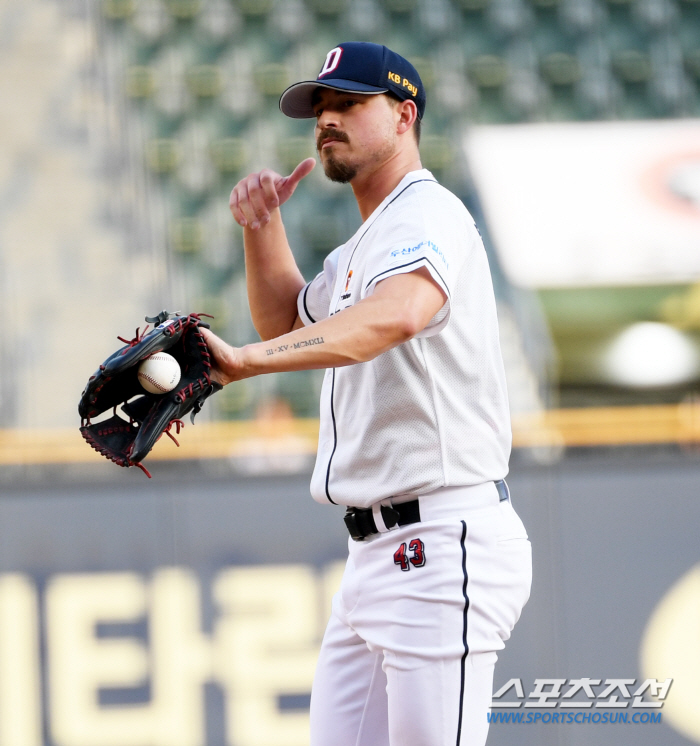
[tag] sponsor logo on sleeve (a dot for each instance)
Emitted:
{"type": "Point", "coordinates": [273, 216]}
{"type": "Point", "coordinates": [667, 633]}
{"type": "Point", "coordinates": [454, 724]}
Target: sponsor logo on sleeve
{"type": "Point", "coordinates": [413, 249]}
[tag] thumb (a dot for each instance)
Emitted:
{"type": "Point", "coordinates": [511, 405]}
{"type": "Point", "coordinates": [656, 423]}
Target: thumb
{"type": "Point", "coordinates": [289, 183]}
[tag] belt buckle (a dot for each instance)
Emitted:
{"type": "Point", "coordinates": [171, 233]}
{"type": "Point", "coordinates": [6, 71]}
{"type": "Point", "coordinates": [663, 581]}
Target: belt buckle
{"type": "Point", "coordinates": [360, 523]}
{"type": "Point", "coordinates": [352, 525]}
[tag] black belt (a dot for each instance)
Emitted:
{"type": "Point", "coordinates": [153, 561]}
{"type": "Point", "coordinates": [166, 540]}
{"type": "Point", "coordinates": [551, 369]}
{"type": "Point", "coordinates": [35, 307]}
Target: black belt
{"type": "Point", "coordinates": [360, 521]}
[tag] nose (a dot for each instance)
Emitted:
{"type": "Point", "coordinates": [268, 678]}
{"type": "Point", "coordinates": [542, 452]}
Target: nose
{"type": "Point", "coordinates": [329, 118]}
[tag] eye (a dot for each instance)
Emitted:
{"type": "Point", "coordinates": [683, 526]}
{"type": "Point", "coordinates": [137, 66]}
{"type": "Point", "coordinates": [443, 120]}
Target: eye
{"type": "Point", "coordinates": [318, 112]}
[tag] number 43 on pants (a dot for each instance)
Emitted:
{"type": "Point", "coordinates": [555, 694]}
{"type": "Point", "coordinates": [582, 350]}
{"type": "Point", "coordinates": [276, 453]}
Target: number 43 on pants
{"type": "Point", "coordinates": [413, 555]}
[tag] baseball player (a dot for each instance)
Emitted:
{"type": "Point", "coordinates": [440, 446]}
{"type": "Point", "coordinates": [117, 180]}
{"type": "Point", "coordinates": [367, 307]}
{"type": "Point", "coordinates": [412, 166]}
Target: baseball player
{"type": "Point", "coordinates": [415, 433]}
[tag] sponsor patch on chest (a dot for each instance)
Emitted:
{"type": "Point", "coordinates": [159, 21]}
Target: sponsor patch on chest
{"type": "Point", "coordinates": [346, 294]}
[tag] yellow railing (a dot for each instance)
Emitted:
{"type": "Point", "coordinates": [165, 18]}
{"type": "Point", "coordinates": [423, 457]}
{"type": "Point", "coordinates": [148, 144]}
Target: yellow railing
{"type": "Point", "coordinates": [609, 426]}
{"type": "Point", "coordinates": [201, 441]}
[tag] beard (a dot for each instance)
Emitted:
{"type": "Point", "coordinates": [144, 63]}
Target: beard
{"type": "Point", "coordinates": [338, 171]}
{"type": "Point", "coordinates": [335, 169]}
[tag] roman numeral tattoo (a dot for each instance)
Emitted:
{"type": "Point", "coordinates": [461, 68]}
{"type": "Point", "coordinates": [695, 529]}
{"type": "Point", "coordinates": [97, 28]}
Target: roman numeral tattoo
{"type": "Point", "coordinates": [295, 345]}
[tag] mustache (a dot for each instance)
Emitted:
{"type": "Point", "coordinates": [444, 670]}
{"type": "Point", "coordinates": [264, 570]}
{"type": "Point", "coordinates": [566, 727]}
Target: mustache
{"type": "Point", "coordinates": [330, 134]}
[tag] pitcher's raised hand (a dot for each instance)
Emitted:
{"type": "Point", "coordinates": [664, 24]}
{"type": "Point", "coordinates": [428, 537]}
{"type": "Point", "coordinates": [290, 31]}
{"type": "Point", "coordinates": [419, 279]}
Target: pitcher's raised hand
{"type": "Point", "coordinates": [254, 197]}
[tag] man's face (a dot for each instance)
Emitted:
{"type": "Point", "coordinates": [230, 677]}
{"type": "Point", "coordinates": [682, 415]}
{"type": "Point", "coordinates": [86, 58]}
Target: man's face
{"type": "Point", "coordinates": [353, 132]}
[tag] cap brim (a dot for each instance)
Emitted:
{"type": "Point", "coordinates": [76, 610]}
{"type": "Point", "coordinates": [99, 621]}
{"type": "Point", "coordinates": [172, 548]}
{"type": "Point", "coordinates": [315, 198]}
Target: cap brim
{"type": "Point", "coordinates": [296, 101]}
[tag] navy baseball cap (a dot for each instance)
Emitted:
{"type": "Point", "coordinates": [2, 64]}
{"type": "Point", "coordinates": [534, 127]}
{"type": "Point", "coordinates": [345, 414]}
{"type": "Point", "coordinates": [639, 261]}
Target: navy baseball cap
{"type": "Point", "coordinates": [357, 67]}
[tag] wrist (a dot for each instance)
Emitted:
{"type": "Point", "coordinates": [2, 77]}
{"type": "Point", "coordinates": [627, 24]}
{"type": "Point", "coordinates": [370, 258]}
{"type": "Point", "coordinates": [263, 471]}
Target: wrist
{"type": "Point", "coordinates": [267, 224]}
{"type": "Point", "coordinates": [244, 362]}
{"type": "Point", "coordinates": [230, 364]}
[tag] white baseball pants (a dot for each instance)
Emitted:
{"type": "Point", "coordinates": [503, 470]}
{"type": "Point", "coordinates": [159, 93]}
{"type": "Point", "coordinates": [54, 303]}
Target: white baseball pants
{"type": "Point", "coordinates": [409, 652]}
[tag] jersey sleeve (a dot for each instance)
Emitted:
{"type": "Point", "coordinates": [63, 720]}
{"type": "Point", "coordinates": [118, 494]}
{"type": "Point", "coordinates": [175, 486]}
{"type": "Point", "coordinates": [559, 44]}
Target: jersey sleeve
{"type": "Point", "coordinates": [436, 236]}
{"type": "Point", "coordinates": [314, 299]}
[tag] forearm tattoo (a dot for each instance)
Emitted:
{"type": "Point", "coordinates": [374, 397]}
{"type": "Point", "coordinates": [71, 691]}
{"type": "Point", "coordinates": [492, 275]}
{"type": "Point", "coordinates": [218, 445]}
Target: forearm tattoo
{"type": "Point", "coordinates": [295, 345]}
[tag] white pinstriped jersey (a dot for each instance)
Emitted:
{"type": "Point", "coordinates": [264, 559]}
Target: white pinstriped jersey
{"type": "Point", "coordinates": [433, 411]}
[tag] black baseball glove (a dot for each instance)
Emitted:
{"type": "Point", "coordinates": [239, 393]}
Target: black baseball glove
{"type": "Point", "coordinates": [128, 441]}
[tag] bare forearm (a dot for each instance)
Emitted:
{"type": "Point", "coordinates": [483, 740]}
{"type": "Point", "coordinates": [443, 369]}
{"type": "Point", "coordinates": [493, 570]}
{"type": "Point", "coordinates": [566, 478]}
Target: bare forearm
{"type": "Point", "coordinates": [272, 277]}
{"type": "Point", "coordinates": [399, 309]}
{"type": "Point", "coordinates": [353, 336]}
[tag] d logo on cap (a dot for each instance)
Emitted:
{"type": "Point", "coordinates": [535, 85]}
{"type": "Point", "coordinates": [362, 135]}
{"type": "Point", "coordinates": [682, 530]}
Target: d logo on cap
{"type": "Point", "coordinates": [332, 61]}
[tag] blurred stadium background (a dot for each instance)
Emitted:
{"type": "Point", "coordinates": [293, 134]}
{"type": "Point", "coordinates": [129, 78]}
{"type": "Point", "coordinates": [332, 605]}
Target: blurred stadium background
{"type": "Point", "coordinates": [187, 610]}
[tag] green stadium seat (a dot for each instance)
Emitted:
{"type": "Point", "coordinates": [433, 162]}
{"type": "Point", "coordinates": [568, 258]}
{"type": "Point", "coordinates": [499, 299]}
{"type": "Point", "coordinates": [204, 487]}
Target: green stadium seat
{"type": "Point", "coordinates": [229, 154]}
{"type": "Point", "coordinates": [632, 66]}
{"type": "Point", "coordinates": [488, 71]}
{"type": "Point", "coordinates": [293, 150]}
{"type": "Point", "coordinates": [205, 81]}
{"type": "Point", "coordinates": [272, 78]}
{"type": "Point", "coordinates": [118, 9]}
{"type": "Point", "coordinates": [328, 7]}
{"type": "Point", "coordinates": [140, 81]}
{"type": "Point", "coordinates": [187, 235]}
{"type": "Point", "coordinates": [400, 6]}
{"type": "Point", "coordinates": [183, 10]}
{"type": "Point", "coordinates": [560, 69]}
{"type": "Point", "coordinates": [545, 4]}
{"type": "Point", "coordinates": [692, 63]}
{"type": "Point", "coordinates": [255, 7]}
{"type": "Point", "coordinates": [472, 5]}
{"type": "Point", "coordinates": [163, 155]}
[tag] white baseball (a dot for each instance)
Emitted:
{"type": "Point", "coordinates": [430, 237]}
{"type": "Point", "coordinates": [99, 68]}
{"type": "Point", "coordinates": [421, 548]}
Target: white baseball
{"type": "Point", "coordinates": [159, 373]}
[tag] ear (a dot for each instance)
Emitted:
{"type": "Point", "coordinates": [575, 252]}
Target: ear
{"type": "Point", "coordinates": [407, 115]}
